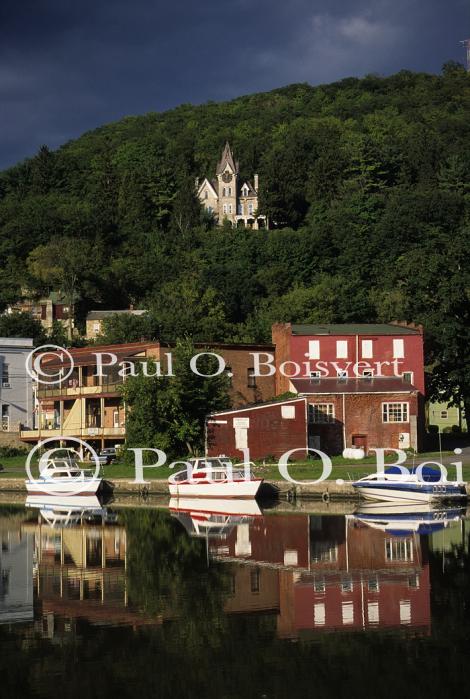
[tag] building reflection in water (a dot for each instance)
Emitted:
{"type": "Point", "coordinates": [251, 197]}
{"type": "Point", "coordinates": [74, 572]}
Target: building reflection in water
{"type": "Point", "coordinates": [313, 573]}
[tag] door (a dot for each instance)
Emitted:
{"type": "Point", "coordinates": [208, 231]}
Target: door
{"type": "Point", "coordinates": [360, 440]}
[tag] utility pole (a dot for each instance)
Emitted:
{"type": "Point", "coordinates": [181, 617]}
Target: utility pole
{"type": "Point", "coordinates": [466, 44]}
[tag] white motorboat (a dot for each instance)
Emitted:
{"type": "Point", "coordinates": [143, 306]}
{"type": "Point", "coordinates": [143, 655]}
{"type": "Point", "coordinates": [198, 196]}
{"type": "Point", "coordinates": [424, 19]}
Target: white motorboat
{"type": "Point", "coordinates": [420, 487]}
{"type": "Point", "coordinates": [214, 478]}
{"type": "Point", "coordinates": [65, 478]}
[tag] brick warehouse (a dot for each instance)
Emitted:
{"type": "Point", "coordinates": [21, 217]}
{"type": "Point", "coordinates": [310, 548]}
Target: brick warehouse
{"type": "Point", "coordinates": [363, 386]}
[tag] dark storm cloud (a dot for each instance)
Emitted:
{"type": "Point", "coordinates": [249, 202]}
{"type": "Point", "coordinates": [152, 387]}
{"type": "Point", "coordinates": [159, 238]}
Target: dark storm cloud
{"type": "Point", "coordinates": [68, 67]}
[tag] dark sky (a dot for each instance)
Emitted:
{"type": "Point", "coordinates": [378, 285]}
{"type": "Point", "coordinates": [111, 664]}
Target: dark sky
{"type": "Point", "coordinates": [69, 66]}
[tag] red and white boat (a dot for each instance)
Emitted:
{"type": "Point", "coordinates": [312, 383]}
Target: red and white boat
{"type": "Point", "coordinates": [213, 518]}
{"type": "Point", "coordinates": [214, 478]}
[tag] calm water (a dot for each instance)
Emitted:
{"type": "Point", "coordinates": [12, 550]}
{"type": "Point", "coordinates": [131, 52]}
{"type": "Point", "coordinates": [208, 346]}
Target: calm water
{"type": "Point", "coordinates": [181, 603]}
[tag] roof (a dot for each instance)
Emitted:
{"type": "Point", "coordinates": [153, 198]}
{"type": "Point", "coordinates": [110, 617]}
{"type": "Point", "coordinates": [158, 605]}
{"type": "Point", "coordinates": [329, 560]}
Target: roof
{"type": "Point", "coordinates": [251, 190]}
{"type": "Point", "coordinates": [256, 406]}
{"type": "Point", "coordinates": [354, 329]}
{"type": "Point", "coordinates": [227, 159]}
{"type": "Point", "coordinates": [100, 315]}
{"type": "Point", "coordinates": [84, 356]}
{"type": "Point", "coordinates": [376, 384]}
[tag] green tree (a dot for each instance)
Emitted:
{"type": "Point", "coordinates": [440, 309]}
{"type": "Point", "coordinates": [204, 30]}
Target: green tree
{"type": "Point", "coordinates": [169, 412]}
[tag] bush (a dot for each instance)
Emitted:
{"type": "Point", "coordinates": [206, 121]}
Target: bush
{"type": "Point", "coordinates": [7, 452]}
{"type": "Point", "coordinates": [433, 429]}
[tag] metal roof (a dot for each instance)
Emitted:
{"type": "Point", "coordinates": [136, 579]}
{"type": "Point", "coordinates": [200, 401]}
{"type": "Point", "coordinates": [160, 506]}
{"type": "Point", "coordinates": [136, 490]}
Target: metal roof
{"type": "Point", "coordinates": [376, 384]}
{"type": "Point", "coordinates": [353, 329]}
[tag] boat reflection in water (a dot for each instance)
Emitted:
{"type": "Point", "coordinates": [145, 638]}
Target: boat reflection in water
{"type": "Point", "coordinates": [213, 518]}
{"type": "Point", "coordinates": [67, 511]}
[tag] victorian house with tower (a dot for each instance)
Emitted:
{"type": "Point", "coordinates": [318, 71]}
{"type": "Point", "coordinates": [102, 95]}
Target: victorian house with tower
{"type": "Point", "coordinates": [230, 199]}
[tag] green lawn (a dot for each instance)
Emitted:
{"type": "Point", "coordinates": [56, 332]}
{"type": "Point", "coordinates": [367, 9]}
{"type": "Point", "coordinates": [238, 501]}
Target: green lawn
{"type": "Point", "coordinates": [311, 470]}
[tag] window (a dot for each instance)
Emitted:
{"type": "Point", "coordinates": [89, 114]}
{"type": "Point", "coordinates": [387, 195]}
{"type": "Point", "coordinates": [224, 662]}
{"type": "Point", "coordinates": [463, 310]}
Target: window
{"type": "Point", "coordinates": [229, 191]}
{"type": "Point", "coordinates": [319, 585]}
{"type": "Point", "coordinates": [407, 376]}
{"type": "Point", "coordinates": [347, 613]}
{"type": "Point", "coordinates": [5, 376]}
{"type": "Point", "coordinates": [254, 581]}
{"type": "Point", "coordinates": [315, 374]}
{"type": "Point", "coordinates": [5, 418]}
{"type": "Point", "coordinates": [342, 374]}
{"type": "Point", "coordinates": [206, 194]}
{"type": "Point", "coordinates": [395, 412]}
{"type": "Point", "coordinates": [115, 418]}
{"type": "Point", "coordinates": [288, 412]}
{"type": "Point", "coordinates": [314, 349]}
{"type": "Point", "coordinates": [368, 373]}
{"type": "Point", "coordinates": [251, 383]}
{"type": "Point", "coordinates": [96, 327]}
{"type": "Point", "coordinates": [399, 550]}
{"type": "Point", "coordinates": [444, 414]}
{"type": "Point", "coordinates": [367, 349]}
{"type": "Point", "coordinates": [347, 584]}
{"type": "Point", "coordinates": [405, 611]}
{"type": "Point", "coordinates": [240, 209]}
{"type": "Point", "coordinates": [373, 612]}
{"type": "Point", "coordinates": [319, 614]}
{"type": "Point", "coordinates": [341, 349]}
{"type": "Point", "coordinates": [250, 208]}
{"type": "Point", "coordinates": [225, 208]}
{"type": "Point", "coordinates": [398, 348]}
{"type": "Point", "coordinates": [373, 584]}
{"type": "Point", "coordinates": [321, 413]}
{"type": "Point", "coordinates": [230, 208]}
{"type": "Point", "coordinates": [228, 372]}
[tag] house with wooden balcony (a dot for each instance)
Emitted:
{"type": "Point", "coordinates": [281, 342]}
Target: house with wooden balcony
{"type": "Point", "coordinates": [82, 403]}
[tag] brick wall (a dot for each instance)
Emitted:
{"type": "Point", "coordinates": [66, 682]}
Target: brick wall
{"type": "Point", "coordinates": [268, 433]}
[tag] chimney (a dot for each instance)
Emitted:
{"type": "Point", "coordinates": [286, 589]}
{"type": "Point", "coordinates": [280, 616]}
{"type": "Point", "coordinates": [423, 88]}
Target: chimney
{"type": "Point", "coordinates": [256, 182]}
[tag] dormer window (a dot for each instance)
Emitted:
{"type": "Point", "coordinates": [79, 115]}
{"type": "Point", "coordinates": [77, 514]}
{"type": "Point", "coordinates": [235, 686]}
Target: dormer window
{"type": "Point", "coordinates": [206, 194]}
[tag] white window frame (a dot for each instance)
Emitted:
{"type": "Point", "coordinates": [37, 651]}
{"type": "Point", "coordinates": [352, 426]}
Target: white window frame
{"type": "Point", "coordinates": [321, 413]}
{"type": "Point", "coordinates": [341, 349]}
{"type": "Point", "coordinates": [411, 375]}
{"type": "Point", "coordinates": [387, 408]}
{"type": "Point", "coordinates": [398, 348]}
{"type": "Point", "coordinates": [367, 349]}
{"type": "Point", "coordinates": [314, 349]}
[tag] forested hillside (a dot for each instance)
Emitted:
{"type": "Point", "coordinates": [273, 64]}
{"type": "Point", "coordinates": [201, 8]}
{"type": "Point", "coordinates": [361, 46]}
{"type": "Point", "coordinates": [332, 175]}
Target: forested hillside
{"type": "Point", "coordinates": [367, 179]}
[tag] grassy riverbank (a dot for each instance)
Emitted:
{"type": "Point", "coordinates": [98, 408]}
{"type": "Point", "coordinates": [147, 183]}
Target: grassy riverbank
{"type": "Point", "coordinates": [14, 467]}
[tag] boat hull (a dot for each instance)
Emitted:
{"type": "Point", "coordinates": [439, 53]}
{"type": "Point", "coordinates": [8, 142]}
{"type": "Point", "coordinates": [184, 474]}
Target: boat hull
{"type": "Point", "coordinates": [230, 489]}
{"type": "Point", "coordinates": [425, 494]}
{"type": "Point", "coordinates": [64, 488]}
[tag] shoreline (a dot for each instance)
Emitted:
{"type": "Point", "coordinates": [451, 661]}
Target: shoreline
{"type": "Point", "coordinates": [325, 491]}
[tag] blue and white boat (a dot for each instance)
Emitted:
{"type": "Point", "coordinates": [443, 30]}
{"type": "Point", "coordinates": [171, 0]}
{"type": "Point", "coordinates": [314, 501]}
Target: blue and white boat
{"type": "Point", "coordinates": [400, 519]}
{"type": "Point", "coordinates": [394, 486]}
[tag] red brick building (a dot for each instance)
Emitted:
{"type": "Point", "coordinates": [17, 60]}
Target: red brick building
{"type": "Point", "coordinates": [363, 385]}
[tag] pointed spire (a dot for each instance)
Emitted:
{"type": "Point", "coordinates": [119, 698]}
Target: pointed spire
{"type": "Point", "coordinates": [227, 159]}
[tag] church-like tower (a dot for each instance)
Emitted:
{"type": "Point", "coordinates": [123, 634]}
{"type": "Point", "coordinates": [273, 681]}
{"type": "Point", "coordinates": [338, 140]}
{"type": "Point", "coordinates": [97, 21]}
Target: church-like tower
{"type": "Point", "coordinates": [228, 199]}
